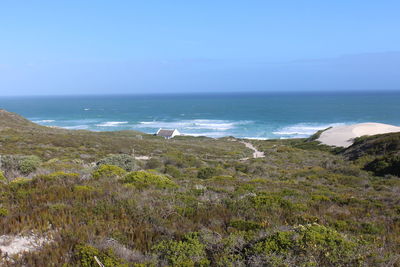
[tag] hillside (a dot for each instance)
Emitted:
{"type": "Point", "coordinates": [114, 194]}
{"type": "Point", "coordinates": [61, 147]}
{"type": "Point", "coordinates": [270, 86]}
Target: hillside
{"type": "Point", "coordinates": [379, 153]}
{"type": "Point", "coordinates": [10, 120]}
{"type": "Point", "coordinates": [133, 199]}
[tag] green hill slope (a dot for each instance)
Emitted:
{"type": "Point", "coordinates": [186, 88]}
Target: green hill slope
{"type": "Point", "coordinates": [380, 153]}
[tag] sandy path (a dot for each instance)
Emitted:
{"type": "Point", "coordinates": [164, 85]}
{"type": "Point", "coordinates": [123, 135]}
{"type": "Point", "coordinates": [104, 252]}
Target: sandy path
{"type": "Point", "coordinates": [256, 154]}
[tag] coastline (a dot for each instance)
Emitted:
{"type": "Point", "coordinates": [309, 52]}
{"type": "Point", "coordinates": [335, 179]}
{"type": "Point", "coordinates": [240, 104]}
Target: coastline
{"type": "Point", "coordinates": [252, 116]}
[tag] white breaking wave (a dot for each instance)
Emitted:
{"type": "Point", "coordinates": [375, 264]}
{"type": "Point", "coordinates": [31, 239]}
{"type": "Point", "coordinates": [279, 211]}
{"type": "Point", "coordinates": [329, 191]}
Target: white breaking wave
{"type": "Point", "coordinates": [111, 123]}
{"type": "Point", "coordinates": [214, 125]}
{"type": "Point", "coordinates": [44, 121]}
{"type": "Point", "coordinates": [76, 127]}
{"type": "Point", "coordinates": [256, 138]}
{"type": "Point", "coordinates": [198, 127]}
{"type": "Point", "coordinates": [208, 134]}
{"type": "Point", "coordinates": [303, 129]}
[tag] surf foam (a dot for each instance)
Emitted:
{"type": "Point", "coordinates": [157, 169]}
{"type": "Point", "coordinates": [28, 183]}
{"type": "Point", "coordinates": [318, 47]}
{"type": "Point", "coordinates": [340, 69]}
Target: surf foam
{"type": "Point", "coordinates": [111, 123]}
{"type": "Point", "coordinates": [302, 130]}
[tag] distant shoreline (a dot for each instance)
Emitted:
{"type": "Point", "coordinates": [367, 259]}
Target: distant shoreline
{"type": "Point", "coordinates": [244, 115]}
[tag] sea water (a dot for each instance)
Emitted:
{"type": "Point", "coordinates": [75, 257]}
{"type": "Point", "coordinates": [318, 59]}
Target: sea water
{"type": "Point", "coordinates": [246, 115]}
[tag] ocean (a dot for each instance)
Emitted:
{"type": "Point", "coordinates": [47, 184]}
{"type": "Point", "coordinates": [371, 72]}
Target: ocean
{"type": "Point", "coordinates": [244, 115]}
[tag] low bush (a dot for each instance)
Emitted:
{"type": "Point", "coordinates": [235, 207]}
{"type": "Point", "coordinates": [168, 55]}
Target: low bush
{"type": "Point", "coordinates": [173, 171]}
{"type": "Point", "coordinates": [385, 165]}
{"type": "Point", "coordinates": [187, 252]}
{"type": "Point", "coordinates": [85, 255]}
{"type": "Point", "coordinates": [271, 202]}
{"type": "Point", "coordinates": [153, 163]}
{"type": "Point", "coordinates": [84, 189]}
{"type": "Point", "coordinates": [3, 212]}
{"type": "Point", "coordinates": [181, 160]}
{"type": "Point", "coordinates": [20, 181]}
{"type": "Point", "coordinates": [144, 179]}
{"type": "Point", "coordinates": [242, 225]}
{"type": "Point", "coordinates": [108, 171]}
{"type": "Point", "coordinates": [2, 177]}
{"type": "Point", "coordinates": [310, 244]}
{"type": "Point", "coordinates": [24, 164]}
{"type": "Point", "coordinates": [206, 173]}
{"type": "Point", "coordinates": [29, 164]}
{"type": "Point", "coordinates": [61, 175]}
{"type": "Point", "coordinates": [123, 161]}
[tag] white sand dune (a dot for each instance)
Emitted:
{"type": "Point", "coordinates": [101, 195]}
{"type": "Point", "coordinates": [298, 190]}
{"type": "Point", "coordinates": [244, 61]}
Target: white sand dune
{"type": "Point", "coordinates": [342, 136]}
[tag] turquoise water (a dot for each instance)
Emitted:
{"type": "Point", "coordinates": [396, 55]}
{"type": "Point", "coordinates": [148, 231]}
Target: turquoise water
{"type": "Point", "coordinates": [215, 115]}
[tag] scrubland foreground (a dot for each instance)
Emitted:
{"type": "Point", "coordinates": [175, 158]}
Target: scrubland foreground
{"type": "Point", "coordinates": [68, 196]}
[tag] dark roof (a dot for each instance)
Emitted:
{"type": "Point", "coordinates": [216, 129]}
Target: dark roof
{"type": "Point", "coordinates": [165, 133]}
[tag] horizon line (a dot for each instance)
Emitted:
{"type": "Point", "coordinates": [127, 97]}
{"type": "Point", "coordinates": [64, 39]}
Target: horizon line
{"type": "Point", "coordinates": [206, 93]}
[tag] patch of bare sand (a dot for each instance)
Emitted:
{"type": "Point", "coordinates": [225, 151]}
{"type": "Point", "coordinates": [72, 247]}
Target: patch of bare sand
{"type": "Point", "coordinates": [343, 136]}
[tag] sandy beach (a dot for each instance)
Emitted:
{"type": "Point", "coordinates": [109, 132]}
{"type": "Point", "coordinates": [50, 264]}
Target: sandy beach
{"type": "Point", "coordinates": [343, 136]}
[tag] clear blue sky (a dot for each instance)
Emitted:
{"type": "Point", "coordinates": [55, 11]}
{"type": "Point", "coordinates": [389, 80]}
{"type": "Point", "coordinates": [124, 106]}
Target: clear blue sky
{"type": "Point", "coordinates": [98, 47]}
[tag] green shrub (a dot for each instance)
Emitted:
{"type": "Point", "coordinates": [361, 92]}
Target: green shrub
{"type": "Point", "coordinates": [3, 212]}
{"type": "Point", "coordinates": [320, 198]}
{"type": "Point", "coordinates": [241, 167]}
{"type": "Point", "coordinates": [29, 164]}
{"type": "Point", "coordinates": [153, 163]}
{"type": "Point", "coordinates": [20, 181]}
{"type": "Point", "coordinates": [315, 242]}
{"type": "Point", "coordinates": [341, 225]}
{"type": "Point", "coordinates": [61, 175]}
{"type": "Point", "coordinates": [10, 162]}
{"type": "Point", "coordinates": [23, 164]}
{"type": "Point", "coordinates": [173, 171]}
{"type": "Point", "coordinates": [223, 179]}
{"type": "Point", "coordinates": [144, 179]}
{"type": "Point", "coordinates": [385, 165]}
{"type": "Point", "coordinates": [242, 225]}
{"type": "Point", "coordinates": [206, 173]}
{"type": "Point", "coordinates": [270, 202]}
{"type": "Point", "coordinates": [123, 161]}
{"type": "Point", "coordinates": [279, 242]}
{"type": "Point", "coordinates": [2, 177]}
{"type": "Point", "coordinates": [85, 256]}
{"type": "Point", "coordinates": [187, 252]}
{"type": "Point", "coordinates": [84, 189]}
{"type": "Point", "coordinates": [181, 160]}
{"type": "Point", "coordinates": [108, 171]}
{"type": "Point", "coordinates": [370, 228]}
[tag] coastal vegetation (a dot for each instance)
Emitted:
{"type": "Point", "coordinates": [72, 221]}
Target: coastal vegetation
{"type": "Point", "coordinates": [196, 201]}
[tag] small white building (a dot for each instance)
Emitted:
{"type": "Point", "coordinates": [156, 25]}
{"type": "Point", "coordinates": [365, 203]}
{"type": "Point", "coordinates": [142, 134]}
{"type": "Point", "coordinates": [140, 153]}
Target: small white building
{"type": "Point", "coordinates": [167, 133]}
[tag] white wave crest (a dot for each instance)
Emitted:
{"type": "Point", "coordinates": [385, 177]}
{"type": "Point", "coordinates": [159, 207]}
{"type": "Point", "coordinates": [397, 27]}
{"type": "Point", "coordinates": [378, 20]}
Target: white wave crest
{"type": "Point", "coordinates": [255, 138]}
{"type": "Point", "coordinates": [111, 123]}
{"type": "Point", "coordinates": [214, 125]}
{"type": "Point", "coordinates": [302, 130]}
{"type": "Point", "coordinates": [76, 127]}
{"type": "Point", "coordinates": [44, 121]}
{"type": "Point", "coordinates": [207, 134]}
